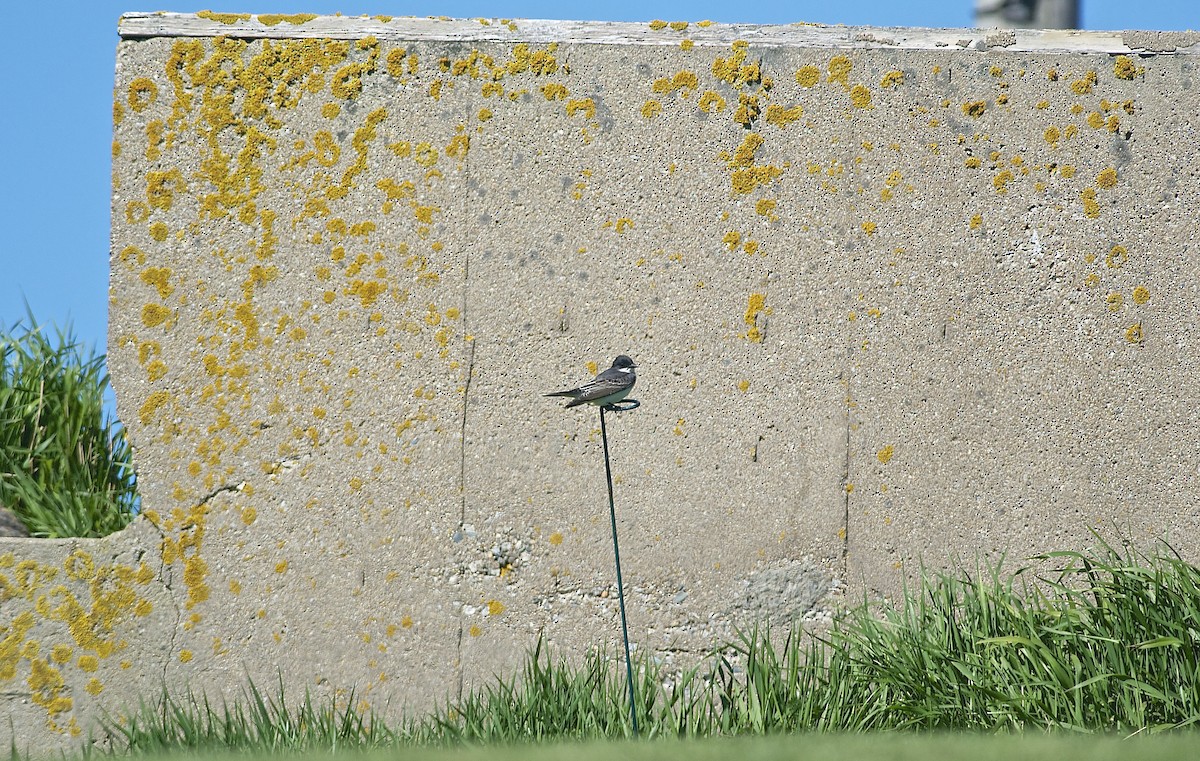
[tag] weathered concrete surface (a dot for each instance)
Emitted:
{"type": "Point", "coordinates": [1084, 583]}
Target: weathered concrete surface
{"type": "Point", "coordinates": [894, 294]}
{"type": "Point", "coordinates": [84, 625]}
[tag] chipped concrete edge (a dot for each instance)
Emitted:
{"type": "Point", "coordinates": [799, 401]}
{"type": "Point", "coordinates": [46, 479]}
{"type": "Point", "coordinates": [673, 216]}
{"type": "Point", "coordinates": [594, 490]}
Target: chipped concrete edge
{"type": "Point", "coordinates": [163, 24]}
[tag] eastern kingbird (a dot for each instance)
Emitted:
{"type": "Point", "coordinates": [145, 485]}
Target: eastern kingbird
{"type": "Point", "coordinates": [609, 387]}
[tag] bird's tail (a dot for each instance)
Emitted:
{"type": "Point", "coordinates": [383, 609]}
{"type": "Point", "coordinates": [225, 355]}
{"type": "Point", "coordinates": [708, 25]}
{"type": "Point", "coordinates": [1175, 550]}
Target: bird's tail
{"type": "Point", "coordinates": [561, 393]}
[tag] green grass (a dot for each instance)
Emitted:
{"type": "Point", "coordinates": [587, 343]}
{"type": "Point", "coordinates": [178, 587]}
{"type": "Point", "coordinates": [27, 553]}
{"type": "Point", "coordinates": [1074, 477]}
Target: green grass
{"type": "Point", "coordinates": [1096, 644]}
{"type": "Point", "coordinates": [65, 468]}
{"type": "Point", "coordinates": [874, 746]}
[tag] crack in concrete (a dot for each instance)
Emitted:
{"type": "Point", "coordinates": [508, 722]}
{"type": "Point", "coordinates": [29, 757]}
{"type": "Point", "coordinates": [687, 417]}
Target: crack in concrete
{"type": "Point", "coordinates": [462, 461]}
{"type": "Point", "coordinates": [459, 664]}
{"type": "Point", "coordinates": [846, 487]}
{"type": "Point", "coordinates": [166, 574]}
{"type": "Point", "coordinates": [462, 433]}
{"type": "Point", "coordinates": [219, 490]}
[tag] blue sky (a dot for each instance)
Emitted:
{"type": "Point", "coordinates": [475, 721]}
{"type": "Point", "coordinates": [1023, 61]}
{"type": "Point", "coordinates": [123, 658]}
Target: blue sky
{"type": "Point", "coordinates": [57, 120]}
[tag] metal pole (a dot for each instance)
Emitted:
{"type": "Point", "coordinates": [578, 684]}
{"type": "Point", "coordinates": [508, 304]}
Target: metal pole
{"type": "Point", "coordinates": [612, 513]}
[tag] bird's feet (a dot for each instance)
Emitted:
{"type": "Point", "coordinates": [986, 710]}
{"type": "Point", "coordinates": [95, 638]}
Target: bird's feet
{"type": "Point", "coordinates": [625, 405]}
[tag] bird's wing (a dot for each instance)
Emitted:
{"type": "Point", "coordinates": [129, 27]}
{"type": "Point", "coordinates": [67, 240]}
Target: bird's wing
{"type": "Point", "coordinates": [608, 382]}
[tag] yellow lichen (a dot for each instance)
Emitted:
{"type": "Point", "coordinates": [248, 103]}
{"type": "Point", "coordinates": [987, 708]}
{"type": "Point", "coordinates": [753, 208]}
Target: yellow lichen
{"type": "Point", "coordinates": [538, 62]}
{"type": "Point", "coordinates": [684, 81]}
{"type": "Point", "coordinates": [892, 79]}
{"type": "Point", "coordinates": [974, 108]}
{"type": "Point", "coordinates": [808, 76]}
{"type": "Point", "coordinates": [156, 370]}
{"type": "Point", "coordinates": [1134, 333]}
{"type": "Point", "coordinates": [781, 117]}
{"type": "Point", "coordinates": [273, 19]}
{"type": "Point", "coordinates": [839, 70]}
{"type": "Point", "coordinates": [223, 18]}
{"type": "Point", "coordinates": [1091, 208]}
{"type": "Point", "coordinates": [1084, 86]}
{"type": "Point", "coordinates": [746, 180]}
{"type": "Point", "coordinates": [1107, 179]}
{"type": "Point", "coordinates": [395, 63]}
{"type": "Point", "coordinates": [142, 93]}
{"type": "Point", "coordinates": [586, 106]}
{"type": "Point", "coordinates": [195, 571]}
{"type": "Point", "coordinates": [555, 91]}
{"type": "Point", "coordinates": [756, 304]}
{"type": "Point", "coordinates": [159, 277]}
{"type": "Point", "coordinates": [458, 146]}
{"type": "Point", "coordinates": [154, 315]}
{"type": "Point", "coordinates": [1141, 294]}
{"type": "Point", "coordinates": [734, 70]}
{"type": "Point", "coordinates": [860, 96]}
{"type": "Point", "coordinates": [711, 101]}
{"type": "Point", "coordinates": [885, 455]}
{"type": "Point", "coordinates": [747, 110]}
{"type": "Point", "coordinates": [1123, 68]}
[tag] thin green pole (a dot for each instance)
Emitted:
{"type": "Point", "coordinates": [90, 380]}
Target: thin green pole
{"type": "Point", "coordinates": [612, 514]}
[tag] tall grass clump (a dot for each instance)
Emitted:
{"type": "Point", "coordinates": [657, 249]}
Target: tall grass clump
{"type": "Point", "coordinates": [258, 723]}
{"type": "Point", "coordinates": [1098, 641]}
{"type": "Point", "coordinates": [1104, 640]}
{"type": "Point", "coordinates": [65, 468]}
{"type": "Point", "coordinates": [1080, 642]}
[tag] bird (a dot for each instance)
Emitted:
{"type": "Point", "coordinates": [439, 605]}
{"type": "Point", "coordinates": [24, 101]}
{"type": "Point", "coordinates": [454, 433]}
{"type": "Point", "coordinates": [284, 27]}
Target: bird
{"type": "Point", "coordinates": [609, 387]}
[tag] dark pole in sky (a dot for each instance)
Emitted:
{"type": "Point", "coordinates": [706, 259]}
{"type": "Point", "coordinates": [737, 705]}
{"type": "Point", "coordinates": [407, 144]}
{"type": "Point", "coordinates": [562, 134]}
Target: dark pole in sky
{"type": "Point", "coordinates": [1027, 14]}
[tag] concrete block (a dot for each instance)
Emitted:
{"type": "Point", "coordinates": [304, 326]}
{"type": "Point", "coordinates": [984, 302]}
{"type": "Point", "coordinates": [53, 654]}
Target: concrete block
{"type": "Point", "coordinates": [895, 295]}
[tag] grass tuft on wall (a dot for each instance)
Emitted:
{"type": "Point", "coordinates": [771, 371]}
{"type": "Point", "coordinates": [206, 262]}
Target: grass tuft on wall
{"type": "Point", "coordinates": [66, 469]}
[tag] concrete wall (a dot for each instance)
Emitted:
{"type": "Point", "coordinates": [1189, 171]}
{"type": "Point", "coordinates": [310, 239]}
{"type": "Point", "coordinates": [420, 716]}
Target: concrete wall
{"type": "Point", "coordinates": [894, 295]}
